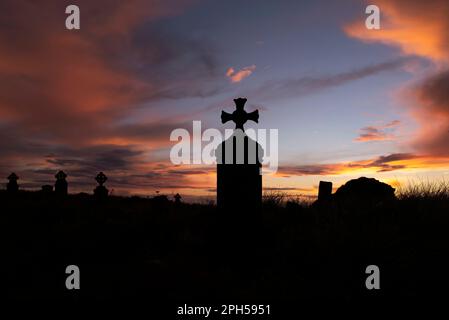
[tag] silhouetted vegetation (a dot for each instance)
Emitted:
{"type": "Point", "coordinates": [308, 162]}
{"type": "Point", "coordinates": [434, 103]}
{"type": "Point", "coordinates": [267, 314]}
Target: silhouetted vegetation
{"type": "Point", "coordinates": [137, 248]}
{"type": "Point", "coordinates": [425, 190]}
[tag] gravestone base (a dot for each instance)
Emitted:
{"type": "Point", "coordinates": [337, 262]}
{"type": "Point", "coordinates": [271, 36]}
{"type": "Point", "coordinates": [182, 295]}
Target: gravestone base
{"type": "Point", "coordinates": [239, 188]}
{"type": "Point", "coordinates": [101, 192]}
{"type": "Point", "coordinates": [12, 187]}
{"type": "Point", "coordinates": [61, 187]}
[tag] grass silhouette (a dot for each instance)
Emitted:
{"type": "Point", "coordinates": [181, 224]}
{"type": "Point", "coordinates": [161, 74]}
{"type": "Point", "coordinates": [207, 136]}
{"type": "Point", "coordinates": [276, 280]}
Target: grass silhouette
{"type": "Point", "coordinates": [138, 248]}
{"type": "Point", "coordinates": [424, 190]}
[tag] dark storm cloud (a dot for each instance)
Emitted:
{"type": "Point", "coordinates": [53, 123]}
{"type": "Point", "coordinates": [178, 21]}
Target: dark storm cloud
{"type": "Point", "coordinates": [190, 171]}
{"type": "Point", "coordinates": [127, 169]}
{"type": "Point", "coordinates": [382, 160]}
{"type": "Point", "coordinates": [97, 158]}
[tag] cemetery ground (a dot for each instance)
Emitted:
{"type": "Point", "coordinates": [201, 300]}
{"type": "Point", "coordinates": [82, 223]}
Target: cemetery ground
{"type": "Point", "coordinates": [162, 251]}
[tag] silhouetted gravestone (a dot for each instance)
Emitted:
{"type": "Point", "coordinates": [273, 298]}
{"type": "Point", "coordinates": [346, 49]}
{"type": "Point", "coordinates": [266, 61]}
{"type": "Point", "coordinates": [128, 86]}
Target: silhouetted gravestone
{"type": "Point", "coordinates": [101, 191]}
{"type": "Point", "coordinates": [239, 178]}
{"type": "Point", "coordinates": [325, 191]}
{"type": "Point", "coordinates": [12, 185]}
{"type": "Point", "coordinates": [61, 187]}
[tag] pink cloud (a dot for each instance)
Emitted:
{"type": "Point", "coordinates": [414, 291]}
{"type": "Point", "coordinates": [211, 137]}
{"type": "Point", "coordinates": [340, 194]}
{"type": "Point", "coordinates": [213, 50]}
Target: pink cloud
{"type": "Point", "coordinates": [241, 74]}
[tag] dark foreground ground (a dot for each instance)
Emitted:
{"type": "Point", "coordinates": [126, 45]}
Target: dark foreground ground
{"type": "Point", "coordinates": [131, 249]}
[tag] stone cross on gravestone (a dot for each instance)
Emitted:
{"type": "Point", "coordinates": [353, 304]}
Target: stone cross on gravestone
{"type": "Point", "coordinates": [101, 191]}
{"type": "Point", "coordinates": [60, 175]}
{"type": "Point", "coordinates": [239, 179]}
{"type": "Point", "coordinates": [101, 178]}
{"type": "Point", "coordinates": [240, 116]}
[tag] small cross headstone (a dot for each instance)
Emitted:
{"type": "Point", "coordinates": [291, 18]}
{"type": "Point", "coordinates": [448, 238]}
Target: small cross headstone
{"type": "Point", "coordinates": [101, 191]}
{"type": "Point", "coordinates": [101, 178]}
{"type": "Point", "coordinates": [12, 185]}
{"type": "Point", "coordinates": [61, 186]}
{"type": "Point", "coordinates": [239, 179]}
{"type": "Point", "coordinates": [177, 198]}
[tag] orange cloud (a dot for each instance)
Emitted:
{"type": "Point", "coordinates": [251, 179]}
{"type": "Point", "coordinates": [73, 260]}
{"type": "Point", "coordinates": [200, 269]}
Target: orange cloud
{"type": "Point", "coordinates": [419, 28]}
{"type": "Point", "coordinates": [392, 162]}
{"type": "Point", "coordinates": [230, 72]}
{"type": "Point", "coordinates": [416, 27]}
{"type": "Point", "coordinates": [70, 84]}
{"type": "Point", "coordinates": [241, 74]}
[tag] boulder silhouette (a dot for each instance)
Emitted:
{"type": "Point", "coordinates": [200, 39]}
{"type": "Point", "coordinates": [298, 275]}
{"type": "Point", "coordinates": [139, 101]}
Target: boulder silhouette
{"type": "Point", "coordinates": [365, 191]}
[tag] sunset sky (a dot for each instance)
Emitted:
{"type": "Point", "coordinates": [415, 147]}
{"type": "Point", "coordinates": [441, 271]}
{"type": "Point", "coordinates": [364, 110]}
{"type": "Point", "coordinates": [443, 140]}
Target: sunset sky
{"type": "Point", "coordinates": [347, 101]}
